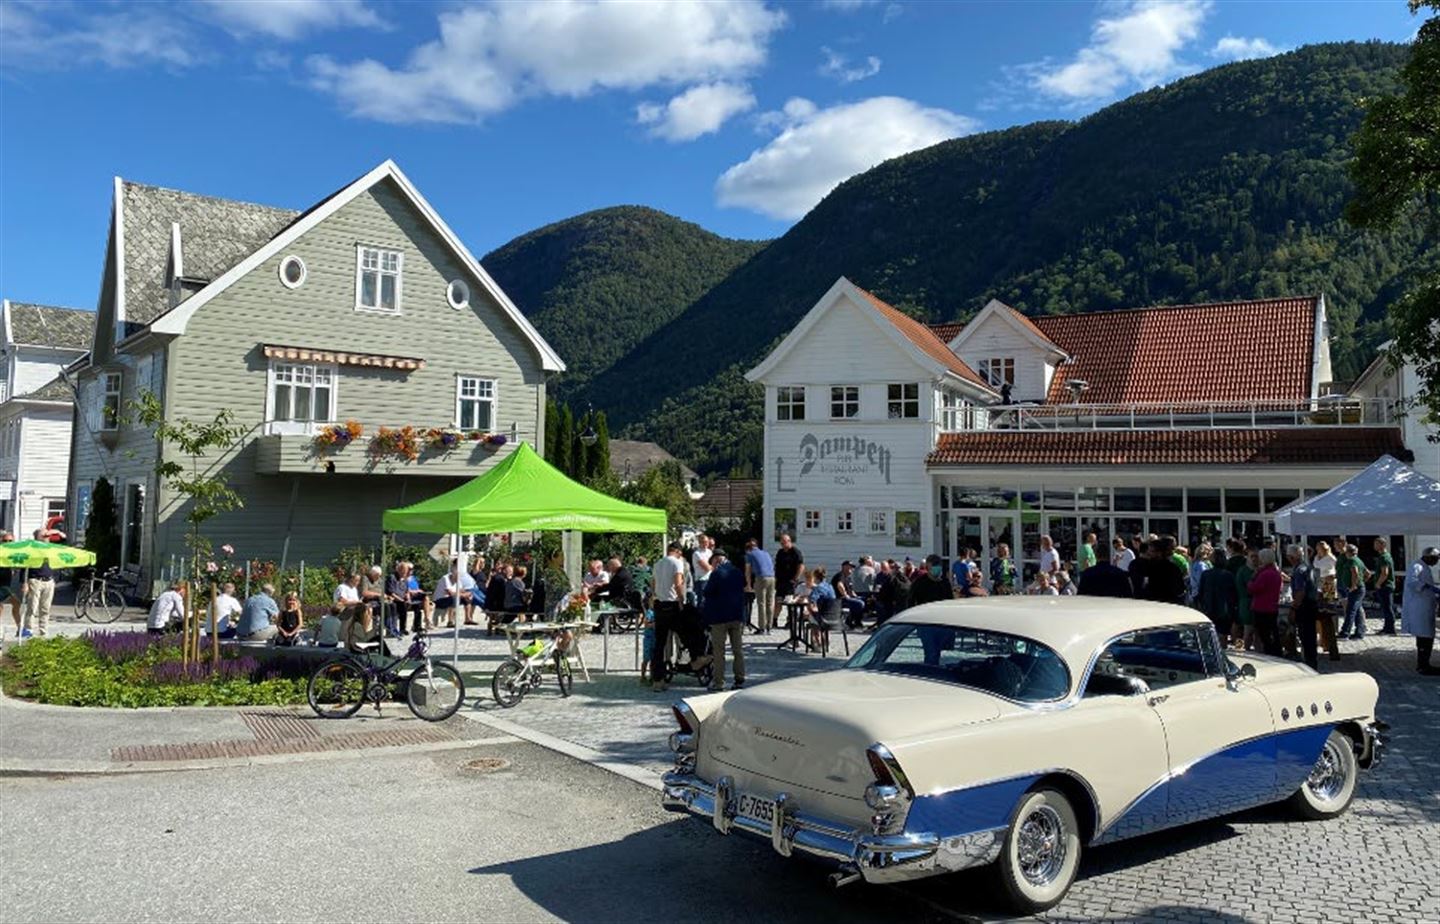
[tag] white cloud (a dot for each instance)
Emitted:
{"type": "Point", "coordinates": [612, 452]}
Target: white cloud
{"type": "Point", "coordinates": [1232, 48]}
{"type": "Point", "coordinates": [488, 57]}
{"type": "Point", "coordinates": [56, 36]}
{"type": "Point", "coordinates": [291, 19]}
{"type": "Point", "coordinates": [838, 66]}
{"type": "Point", "coordinates": [1138, 44]}
{"type": "Point", "coordinates": [698, 111]}
{"type": "Point", "coordinates": [817, 149]}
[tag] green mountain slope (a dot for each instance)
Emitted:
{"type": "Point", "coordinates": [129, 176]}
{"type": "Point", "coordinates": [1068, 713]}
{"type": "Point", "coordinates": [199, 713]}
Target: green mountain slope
{"type": "Point", "coordinates": [599, 283]}
{"type": "Point", "coordinates": [1228, 184]}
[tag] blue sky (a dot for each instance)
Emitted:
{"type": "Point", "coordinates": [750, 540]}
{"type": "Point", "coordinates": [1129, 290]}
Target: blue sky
{"type": "Point", "coordinates": [736, 114]}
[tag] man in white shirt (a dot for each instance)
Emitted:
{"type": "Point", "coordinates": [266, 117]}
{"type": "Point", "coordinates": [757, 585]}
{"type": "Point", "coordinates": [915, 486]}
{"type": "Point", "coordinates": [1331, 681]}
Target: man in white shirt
{"type": "Point", "coordinates": [595, 576]}
{"type": "Point", "coordinates": [347, 593]}
{"type": "Point", "coordinates": [1122, 555]}
{"type": "Point", "coordinates": [1049, 557]}
{"type": "Point", "coordinates": [669, 576]}
{"type": "Point", "coordinates": [700, 564]}
{"type": "Point", "coordinates": [168, 608]}
{"type": "Point", "coordinates": [221, 611]}
{"type": "Point", "coordinates": [454, 588]}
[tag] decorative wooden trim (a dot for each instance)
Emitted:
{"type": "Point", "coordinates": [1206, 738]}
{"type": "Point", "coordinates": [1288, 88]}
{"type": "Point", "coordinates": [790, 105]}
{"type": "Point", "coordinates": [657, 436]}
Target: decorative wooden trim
{"type": "Point", "coordinates": [370, 360]}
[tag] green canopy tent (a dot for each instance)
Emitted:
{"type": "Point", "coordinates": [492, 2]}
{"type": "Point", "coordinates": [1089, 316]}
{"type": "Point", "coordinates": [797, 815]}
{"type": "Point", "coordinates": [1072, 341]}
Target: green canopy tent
{"type": "Point", "coordinates": [523, 493]}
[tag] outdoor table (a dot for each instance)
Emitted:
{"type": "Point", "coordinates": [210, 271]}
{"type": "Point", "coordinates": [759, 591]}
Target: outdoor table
{"type": "Point", "coordinates": [516, 632]}
{"type": "Point", "coordinates": [797, 622]}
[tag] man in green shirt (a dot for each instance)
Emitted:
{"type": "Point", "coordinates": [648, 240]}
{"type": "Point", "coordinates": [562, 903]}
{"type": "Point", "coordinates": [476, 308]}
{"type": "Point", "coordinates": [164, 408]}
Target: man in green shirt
{"type": "Point", "coordinates": [1385, 584]}
{"type": "Point", "coordinates": [1350, 575]}
{"type": "Point", "coordinates": [1086, 556]}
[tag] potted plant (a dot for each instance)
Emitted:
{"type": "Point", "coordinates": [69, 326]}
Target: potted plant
{"type": "Point", "coordinates": [441, 440]}
{"type": "Point", "coordinates": [401, 443]}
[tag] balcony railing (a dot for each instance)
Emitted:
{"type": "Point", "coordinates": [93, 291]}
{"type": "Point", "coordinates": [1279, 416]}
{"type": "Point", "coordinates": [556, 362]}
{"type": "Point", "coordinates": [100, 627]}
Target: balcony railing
{"type": "Point", "coordinates": [1192, 415]}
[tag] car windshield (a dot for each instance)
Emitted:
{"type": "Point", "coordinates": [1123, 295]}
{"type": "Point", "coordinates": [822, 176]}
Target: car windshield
{"type": "Point", "coordinates": [1006, 665]}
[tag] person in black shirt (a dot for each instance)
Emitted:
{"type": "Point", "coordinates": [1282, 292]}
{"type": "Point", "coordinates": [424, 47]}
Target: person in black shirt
{"type": "Point", "coordinates": [789, 563]}
{"type": "Point", "coordinates": [930, 586]}
{"type": "Point", "coordinates": [1155, 576]}
{"type": "Point", "coordinates": [1103, 579]}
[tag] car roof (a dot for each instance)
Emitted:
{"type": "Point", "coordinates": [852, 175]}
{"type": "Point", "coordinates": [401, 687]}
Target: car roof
{"type": "Point", "coordinates": [1072, 625]}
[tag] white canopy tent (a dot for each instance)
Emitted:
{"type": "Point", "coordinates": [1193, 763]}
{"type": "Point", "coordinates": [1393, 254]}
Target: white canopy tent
{"type": "Point", "coordinates": [1388, 498]}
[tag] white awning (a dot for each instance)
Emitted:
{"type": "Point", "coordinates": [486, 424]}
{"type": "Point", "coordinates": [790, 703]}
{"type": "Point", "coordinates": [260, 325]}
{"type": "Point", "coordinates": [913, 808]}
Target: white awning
{"type": "Point", "coordinates": [1388, 498]}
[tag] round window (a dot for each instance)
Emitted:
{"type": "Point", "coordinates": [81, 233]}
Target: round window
{"type": "Point", "coordinates": [292, 272]}
{"type": "Point", "coordinates": [458, 293]}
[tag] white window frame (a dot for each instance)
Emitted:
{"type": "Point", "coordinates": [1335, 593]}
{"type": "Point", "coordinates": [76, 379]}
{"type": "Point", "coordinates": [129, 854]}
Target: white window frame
{"type": "Point", "coordinates": [112, 387]}
{"type": "Point", "coordinates": [304, 272]}
{"type": "Point", "coordinates": [819, 519]}
{"type": "Point", "coordinates": [905, 407]}
{"type": "Point", "coordinates": [998, 370]}
{"type": "Point", "coordinates": [788, 400]}
{"type": "Point", "coordinates": [142, 491]}
{"type": "Point", "coordinates": [380, 272]}
{"type": "Point", "coordinates": [847, 399]}
{"type": "Point", "coordinates": [493, 400]}
{"type": "Point", "coordinates": [882, 517]}
{"type": "Point", "coordinates": [956, 413]}
{"type": "Point", "coordinates": [461, 303]}
{"type": "Point", "coordinates": [845, 521]}
{"type": "Point", "coordinates": [300, 426]}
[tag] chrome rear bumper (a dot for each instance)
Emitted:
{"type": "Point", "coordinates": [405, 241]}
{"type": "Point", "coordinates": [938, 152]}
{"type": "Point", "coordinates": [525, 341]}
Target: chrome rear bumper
{"type": "Point", "coordinates": [878, 858]}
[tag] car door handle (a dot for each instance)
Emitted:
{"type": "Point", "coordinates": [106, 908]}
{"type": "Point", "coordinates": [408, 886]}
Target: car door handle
{"type": "Point", "coordinates": [1157, 700]}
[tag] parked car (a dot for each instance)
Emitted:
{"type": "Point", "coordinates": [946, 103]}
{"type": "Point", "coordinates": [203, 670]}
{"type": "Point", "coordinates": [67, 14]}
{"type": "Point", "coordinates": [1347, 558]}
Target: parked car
{"type": "Point", "coordinates": [1016, 731]}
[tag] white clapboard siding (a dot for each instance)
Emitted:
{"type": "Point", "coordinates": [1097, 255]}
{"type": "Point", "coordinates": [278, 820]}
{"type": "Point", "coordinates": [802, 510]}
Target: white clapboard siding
{"type": "Point", "coordinates": [997, 338]}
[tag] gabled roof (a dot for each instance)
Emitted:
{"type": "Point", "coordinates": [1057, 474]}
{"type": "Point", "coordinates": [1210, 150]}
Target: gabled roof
{"type": "Point", "coordinates": [1222, 351]}
{"type": "Point", "coordinates": [1005, 315]}
{"type": "Point", "coordinates": [296, 224]}
{"type": "Point", "coordinates": [633, 458]}
{"type": "Point", "coordinates": [1288, 446]}
{"type": "Point", "coordinates": [49, 326]}
{"type": "Point", "coordinates": [215, 234]}
{"type": "Point", "coordinates": [727, 496]}
{"type": "Point", "coordinates": [946, 330]}
{"type": "Point", "coordinates": [908, 333]}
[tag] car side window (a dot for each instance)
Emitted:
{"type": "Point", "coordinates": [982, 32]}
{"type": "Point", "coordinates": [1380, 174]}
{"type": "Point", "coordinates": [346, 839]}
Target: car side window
{"type": "Point", "coordinates": [1159, 657]}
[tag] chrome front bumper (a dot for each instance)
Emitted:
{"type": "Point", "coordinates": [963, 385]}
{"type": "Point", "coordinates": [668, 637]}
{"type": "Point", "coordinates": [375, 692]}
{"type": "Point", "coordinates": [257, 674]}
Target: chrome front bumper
{"type": "Point", "coordinates": [1372, 752]}
{"type": "Point", "coordinates": [877, 858]}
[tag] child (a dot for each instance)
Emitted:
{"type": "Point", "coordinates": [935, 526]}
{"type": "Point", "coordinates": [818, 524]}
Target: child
{"type": "Point", "coordinates": [647, 646]}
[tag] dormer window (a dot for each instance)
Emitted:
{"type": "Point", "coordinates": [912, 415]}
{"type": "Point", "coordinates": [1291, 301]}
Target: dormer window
{"type": "Point", "coordinates": [377, 279]}
{"type": "Point", "coordinates": [998, 370]}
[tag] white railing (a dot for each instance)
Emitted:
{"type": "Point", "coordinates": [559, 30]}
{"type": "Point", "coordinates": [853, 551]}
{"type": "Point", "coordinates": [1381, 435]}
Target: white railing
{"type": "Point", "coordinates": [1195, 415]}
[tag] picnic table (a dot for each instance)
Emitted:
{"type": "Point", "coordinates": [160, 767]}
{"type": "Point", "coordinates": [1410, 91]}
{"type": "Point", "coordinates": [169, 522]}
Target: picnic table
{"type": "Point", "coordinates": [516, 632]}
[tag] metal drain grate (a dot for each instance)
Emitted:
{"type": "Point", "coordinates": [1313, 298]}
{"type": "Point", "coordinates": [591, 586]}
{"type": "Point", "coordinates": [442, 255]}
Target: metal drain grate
{"type": "Point", "coordinates": [279, 726]}
{"type": "Point", "coordinates": [485, 765]}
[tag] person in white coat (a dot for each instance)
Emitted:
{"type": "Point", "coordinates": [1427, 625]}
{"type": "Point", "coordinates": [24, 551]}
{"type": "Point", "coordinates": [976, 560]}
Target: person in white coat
{"type": "Point", "coordinates": [1417, 615]}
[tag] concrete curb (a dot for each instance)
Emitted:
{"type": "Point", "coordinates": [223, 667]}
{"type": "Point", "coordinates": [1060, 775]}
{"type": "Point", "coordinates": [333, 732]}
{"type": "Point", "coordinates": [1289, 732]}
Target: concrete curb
{"type": "Point", "coordinates": [647, 778]}
{"type": "Point", "coordinates": [20, 768]}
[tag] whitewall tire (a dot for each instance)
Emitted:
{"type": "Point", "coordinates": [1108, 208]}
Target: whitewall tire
{"type": "Point", "coordinates": [1330, 788]}
{"type": "Point", "coordinates": [1041, 853]}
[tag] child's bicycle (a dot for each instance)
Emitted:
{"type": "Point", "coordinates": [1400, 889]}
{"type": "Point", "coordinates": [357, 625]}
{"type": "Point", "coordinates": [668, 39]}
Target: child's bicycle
{"type": "Point", "coordinates": [524, 672]}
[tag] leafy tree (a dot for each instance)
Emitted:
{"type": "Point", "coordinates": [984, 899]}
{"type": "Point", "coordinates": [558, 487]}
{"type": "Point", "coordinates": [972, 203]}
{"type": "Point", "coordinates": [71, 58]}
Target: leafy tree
{"type": "Point", "coordinates": [598, 458]}
{"type": "Point", "coordinates": [102, 527]}
{"type": "Point", "coordinates": [552, 428]}
{"type": "Point", "coordinates": [1397, 179]}
{"type": "Point", "coordinates": [563, 440]}
{"type": "Point", "coordinates": [663, 486]}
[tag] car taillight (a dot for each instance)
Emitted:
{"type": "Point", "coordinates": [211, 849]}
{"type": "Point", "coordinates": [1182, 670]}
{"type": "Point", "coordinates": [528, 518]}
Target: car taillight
{"type": "Point", "coordinates": [887, 769]}
{"type": "Point", "coordinates": [883, 776]}
{"type": "Point", "coordinates": [683, 718]}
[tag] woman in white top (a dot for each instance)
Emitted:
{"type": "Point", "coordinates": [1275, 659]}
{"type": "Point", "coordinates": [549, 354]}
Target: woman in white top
{"type": "Point", "coordinates": [1324, 562]}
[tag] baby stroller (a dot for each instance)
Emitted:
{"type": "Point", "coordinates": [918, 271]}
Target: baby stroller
{"type": "Point", "coordinates": [690, 638]}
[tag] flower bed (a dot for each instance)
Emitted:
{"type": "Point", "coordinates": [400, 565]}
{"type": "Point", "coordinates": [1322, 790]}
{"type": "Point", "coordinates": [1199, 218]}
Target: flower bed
{"type": "Point", "coordinates": [130, 669]}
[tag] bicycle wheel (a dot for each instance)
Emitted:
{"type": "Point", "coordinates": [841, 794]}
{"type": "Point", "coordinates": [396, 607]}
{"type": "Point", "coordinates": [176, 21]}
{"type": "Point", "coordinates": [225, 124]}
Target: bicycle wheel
{"type": "Point", "coordinates": [337, 689]}
{"type": "Point", "coordinates": [106, 607]}
{"type": "Point", "coordinates": [435, 691]}
{"type": "Point", "coordinates": [563, 674]}
{"type": "Point", "coordinates": [508, 685]}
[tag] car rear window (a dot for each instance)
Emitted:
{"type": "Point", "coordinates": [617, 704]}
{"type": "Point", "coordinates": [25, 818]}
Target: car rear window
{"type": "Point", "coordinates": [1006, 665]}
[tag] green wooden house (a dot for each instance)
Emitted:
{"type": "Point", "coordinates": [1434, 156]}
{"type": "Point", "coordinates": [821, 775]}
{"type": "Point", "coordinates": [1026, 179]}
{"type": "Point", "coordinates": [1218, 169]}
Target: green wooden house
{"type": "Point", "coordinates": [363, 308]}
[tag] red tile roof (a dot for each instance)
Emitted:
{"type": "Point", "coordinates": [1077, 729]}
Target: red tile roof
{"type": "Point", "coordinates": [924, 338]}
{"type": "Point", "coordinates": [946, 330]}
{"type": "Point", "coordinates": [1241, 351]}
{"type": "Point", "coordinates": [1300, 446]}
{"type": "Point", "coordinates": [727, 497]}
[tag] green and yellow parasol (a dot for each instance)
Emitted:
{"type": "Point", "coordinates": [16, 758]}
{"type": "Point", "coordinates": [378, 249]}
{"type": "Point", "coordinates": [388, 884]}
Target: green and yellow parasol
{"type": "Point", "coordinates": [32, 553]}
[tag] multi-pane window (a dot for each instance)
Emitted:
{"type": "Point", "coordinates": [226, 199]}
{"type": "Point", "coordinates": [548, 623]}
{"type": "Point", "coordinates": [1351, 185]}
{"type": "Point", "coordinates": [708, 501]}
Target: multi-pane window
{"type": "Point", "coordinates": [845, 521]}
{"type": "Point", "coordinates": [474, 403]}
{"type": "Point", "coordinates": [110, 401]}
{"type": "Point", "coordinates": [998, 370]}
{"type": "Point", "coordinates": [302, 392]}
{"type": "Point", "coordinates": [955, 412]}
{"type": "Point", "coordinates": [844, 401]}
{"type": "Point", "coordinates": [903, 400]}
{"type": "Point", "coordinates": [879, 522]}
{"type": "Point", "coordinates": [377, 279]}
{"type": "Point", "coordinates": [812, 521]}
{"type": "Point", "coordinates": [134, 523]}
{"type": "Point", "coordinates": [790, 402]}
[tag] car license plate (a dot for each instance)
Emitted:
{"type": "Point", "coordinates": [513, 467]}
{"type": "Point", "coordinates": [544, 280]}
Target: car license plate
{"type": "Point", "coordinates": [748, 806]}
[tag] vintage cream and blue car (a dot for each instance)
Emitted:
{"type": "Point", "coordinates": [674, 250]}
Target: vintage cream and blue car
{"type": "Point", "coordinates": [1015, 730]}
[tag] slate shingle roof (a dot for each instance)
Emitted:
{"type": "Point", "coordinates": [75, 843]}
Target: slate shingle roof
{"type": "Point", "coordinates": [51, 326]}
{"type": "Point", "coordinates": [215, 235]}
{"type": "Point", "coordinates": [633, 458]}
{"type": "Point", "coordinates": [1327, 445]}
{"type": "Point", "coordinates": [53, 390]}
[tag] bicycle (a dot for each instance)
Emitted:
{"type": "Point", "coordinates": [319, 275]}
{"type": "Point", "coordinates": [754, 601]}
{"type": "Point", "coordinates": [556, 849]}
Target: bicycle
{"type": "Point", "coordinates": [98, 601]}
{"type": "Point", "coordinates": [434, 691]}
{"type": "Point", "coordinates": [524, 672]}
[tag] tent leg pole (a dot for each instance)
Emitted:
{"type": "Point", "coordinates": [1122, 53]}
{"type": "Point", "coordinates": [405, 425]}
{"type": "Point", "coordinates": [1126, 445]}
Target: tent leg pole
{"type": "Point", "coordinates": [383, 602]}
{"type": "Point", "coordinates": [463, 565]}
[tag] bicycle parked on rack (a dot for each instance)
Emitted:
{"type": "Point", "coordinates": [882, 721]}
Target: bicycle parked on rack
{"type": "Point", "coordinates": [525, 671]}
{"type": "Point", "coordinates": [434, 690]}
{"type": "Point", "coordinates": [102, 599]}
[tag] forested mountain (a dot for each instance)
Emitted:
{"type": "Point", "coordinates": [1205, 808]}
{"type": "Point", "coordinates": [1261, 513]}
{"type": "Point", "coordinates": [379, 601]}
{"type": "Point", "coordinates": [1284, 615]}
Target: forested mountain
{"type": "Point", "coordinates": [1227, 184]}
{"type": "Point", "coordinates": [599, 283]}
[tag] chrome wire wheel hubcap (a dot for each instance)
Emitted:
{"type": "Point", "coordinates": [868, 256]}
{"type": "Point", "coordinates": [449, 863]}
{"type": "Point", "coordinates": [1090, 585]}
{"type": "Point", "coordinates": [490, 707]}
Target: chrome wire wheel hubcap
{"type": "Point", "coordinates": [1327, 777]}
{"type": "Point", "coordinates": [1041, 846]}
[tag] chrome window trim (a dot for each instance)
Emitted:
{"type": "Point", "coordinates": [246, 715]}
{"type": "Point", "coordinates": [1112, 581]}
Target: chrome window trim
{"type": "Point", "coordinates": [1079, 692]}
